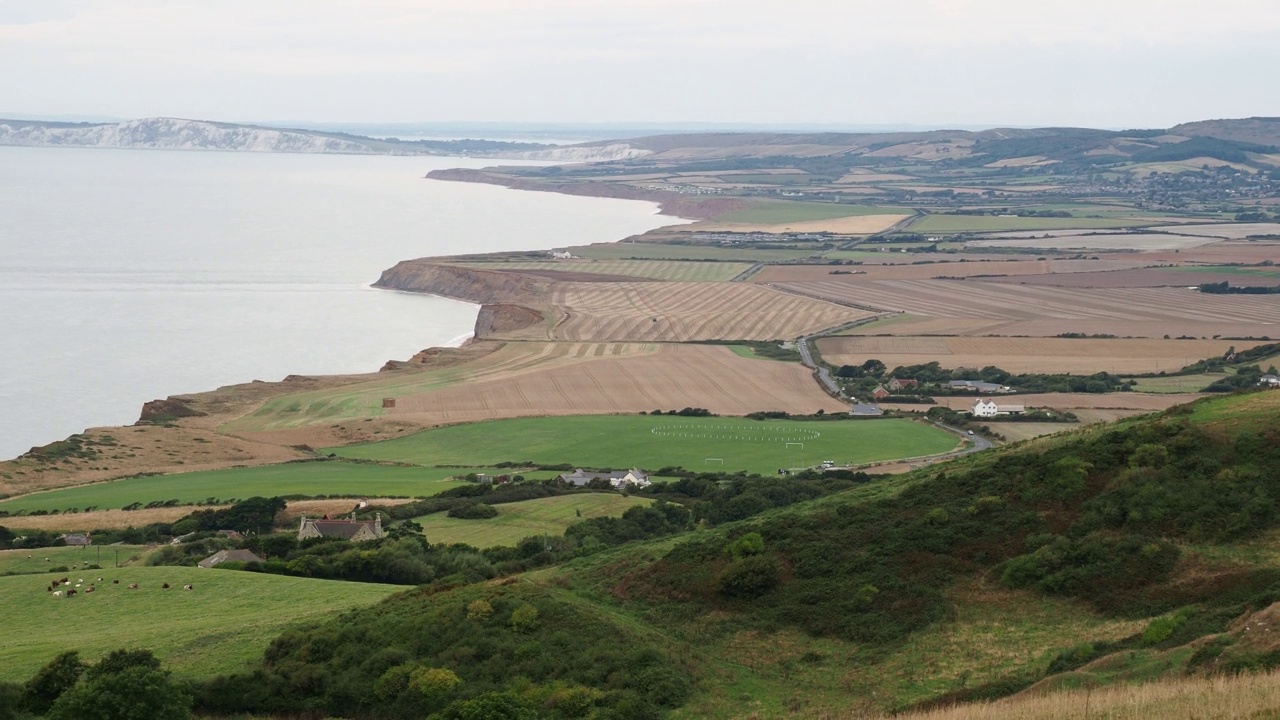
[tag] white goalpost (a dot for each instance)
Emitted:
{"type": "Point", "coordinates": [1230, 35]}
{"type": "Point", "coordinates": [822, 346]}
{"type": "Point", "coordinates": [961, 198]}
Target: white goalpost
{"type": "Point", "coordinates": [797, 444]}
{"type": "Point", "coordinates": [708, 461]}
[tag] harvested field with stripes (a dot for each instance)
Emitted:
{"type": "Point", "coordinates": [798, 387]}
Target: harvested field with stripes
{"type": "Point", "coordinates": [1181, 276]}
{"type": "Point", "coordinates": [922, 271]}
{"type": "Point", "coordinates": [670, 270]}
{"type": "Point", "coordinates": [956, 307]}
{"type": "Point", "coordinates": [1080, 356]}
{"type": "Point", "coordinates": [678, 312]}
{"type": "Point", "coordinates": [667, 377]}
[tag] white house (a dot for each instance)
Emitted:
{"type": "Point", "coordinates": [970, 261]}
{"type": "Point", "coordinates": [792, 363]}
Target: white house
{"type": "Point", "coordinates": [989, 408]}
{"type": "Point", "coordinates": [1269, 381]}
{"type": "Point", "coordinates": [617, 479]}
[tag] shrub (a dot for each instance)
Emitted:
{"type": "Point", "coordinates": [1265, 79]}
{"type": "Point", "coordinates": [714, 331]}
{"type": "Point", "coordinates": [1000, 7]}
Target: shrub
{"type": "Point", "coordinates": [473, 511]}
{"type": "Point", "coordinates": [748, 577]}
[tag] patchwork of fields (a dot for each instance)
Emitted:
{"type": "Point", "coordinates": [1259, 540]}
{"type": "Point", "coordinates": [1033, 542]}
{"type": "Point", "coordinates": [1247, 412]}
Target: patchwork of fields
{"type": "Point", "coordinates": [516, 521]}
{"type": "Point", "coordinates": [1080, 356]}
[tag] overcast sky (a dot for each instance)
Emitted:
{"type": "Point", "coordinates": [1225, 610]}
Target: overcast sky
{"type": "Point", "coordinates": [1101, 63]}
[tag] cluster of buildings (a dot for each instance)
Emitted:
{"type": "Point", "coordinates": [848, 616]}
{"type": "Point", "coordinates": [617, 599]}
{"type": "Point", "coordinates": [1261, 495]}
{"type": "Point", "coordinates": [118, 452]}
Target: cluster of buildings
{"type": "Point", "coordinates": [617, 479]}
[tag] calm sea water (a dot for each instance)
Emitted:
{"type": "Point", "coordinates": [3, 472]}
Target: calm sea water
{"type": "Point", "coordinates": [132, 275]}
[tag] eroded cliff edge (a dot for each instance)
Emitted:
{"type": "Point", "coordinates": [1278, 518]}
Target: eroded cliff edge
{"type": "Point", "coordinates": [508, 301]}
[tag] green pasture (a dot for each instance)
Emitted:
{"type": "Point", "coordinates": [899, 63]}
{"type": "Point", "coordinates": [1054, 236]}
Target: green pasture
{"type": "Point", "coordinates": [220, 626]}
{"type": "Point", "coordinates": [991, 223]}
{"type": "Point", "coordinates": [668, 270]}
{"type": "Point", "coordinates": [663, 251]}
{"type": "Point", "coordinates": [516, 521]}
{"type": "Point", "coordinates": [651, 442]}
{"type": "Point", "coordinates": [1176, 383]}
{"type": "Point", "coordinates": [345, 402]}
{"type": "Point", "coordinates": [40, 560]}
{"type": "Point", "coordinates": [305, 478]}
{"type": "Point", "coordinates": [1244, 272]}
{"type": "Point", "coordinates": [773, 212]}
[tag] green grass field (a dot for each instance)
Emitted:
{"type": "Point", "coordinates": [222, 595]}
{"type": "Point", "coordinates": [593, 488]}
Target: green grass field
{"type": "Point", "coordinates": [1176, 383]}
{"type": "Point", "coordinates": [668, 270]}
{"type": "Point", "coordinates": [653, 442]}
{"type": "Point", "coordinates": [310, 479]}
{"type": "Point", "coordinates": [220, 626]}
{"type": "Point", "coordinates": [1244, 272]}
{"type": "Point", "coordinates": [516, 521]}
{"type": "Point", "coordinates": [660, 251]}
{"type": "Point", "coordinates": [777, 211]}
{"type": "Point", "coordinates": [26, 562]}
{"type": "Point", "coordinates": [990, 223]}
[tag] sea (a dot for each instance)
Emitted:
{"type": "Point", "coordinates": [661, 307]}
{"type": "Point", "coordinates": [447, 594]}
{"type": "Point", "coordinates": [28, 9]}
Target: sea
{"type": "Point", "coordinates": [130, 275]}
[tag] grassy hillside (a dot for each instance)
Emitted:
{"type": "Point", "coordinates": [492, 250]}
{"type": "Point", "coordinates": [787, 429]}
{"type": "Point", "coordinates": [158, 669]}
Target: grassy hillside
{"type": "Point", "coordinates": [1104, 557]}
{"type": "Point", "coordinates": [652, 442]}
{"type": "Point", "coordinates": [220, 626]}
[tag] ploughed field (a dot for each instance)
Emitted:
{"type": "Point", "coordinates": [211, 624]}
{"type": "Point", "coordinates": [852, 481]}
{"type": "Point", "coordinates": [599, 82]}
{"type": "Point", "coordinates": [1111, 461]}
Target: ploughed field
{"type": "Point", "coordinates": [540, 378]}
{"type": "Point", "coordinates": [221, 625]}
{"type": "Point", "coordinates": [680, 312]}
{"type": "Point", "coordinates": [516, 521]}
{"type": "Point", "coordinates": [652, 442]}
{"type": "Point", "coordinates": [669, 270]}
{"type": "Point", "coordinates": [1079, 356]}
{"type": "Point", "coordinates": [955, 307]}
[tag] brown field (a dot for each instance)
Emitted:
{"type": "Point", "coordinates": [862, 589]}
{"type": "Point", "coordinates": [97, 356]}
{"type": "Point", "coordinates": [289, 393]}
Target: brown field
{"type": "Point", "coordinates": [666, 376]}
{"type": "Point", "coordinates": [869, 271]}
{"type": "Point", "coordinates": [1218, 253]}
{"type": "Point", "coordinates": [956, 307]}
{"type": "Point", "coordinates": [1218, 697]}
{"type": "Point", "coordinates": [114, 519]}
{"type": "Point", "coordinates": [1230, 231]}
{"type": "Point", "coordinates": [1118, 241]}
{"type": "Point", "coordinates": [1028, 355]}
{"type": "Point", "coordinates": [855, 225]}
{"type": "Point", "coordinates": [1143, 277]}
{"type": "Point", "coordinates": [676, 312]}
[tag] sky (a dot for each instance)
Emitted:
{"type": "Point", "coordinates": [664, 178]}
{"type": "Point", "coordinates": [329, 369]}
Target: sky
{"type": "Point", "coordinates": [1095, 63]}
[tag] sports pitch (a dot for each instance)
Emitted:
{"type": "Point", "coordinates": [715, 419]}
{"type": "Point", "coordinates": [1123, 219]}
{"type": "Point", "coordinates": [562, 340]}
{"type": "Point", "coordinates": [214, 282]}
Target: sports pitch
{"type": "Point", "coordinates": [657, 441]}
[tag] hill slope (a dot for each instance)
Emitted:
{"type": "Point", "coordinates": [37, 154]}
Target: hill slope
{"type": "Point", "coordinates": [1112, 554]}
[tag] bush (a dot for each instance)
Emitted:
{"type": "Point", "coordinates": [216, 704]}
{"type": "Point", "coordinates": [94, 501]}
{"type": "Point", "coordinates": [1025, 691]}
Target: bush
{"type": "Point", "coordinates": [748, 577]}
{"type": "Point", "coordinates": [473, 511]}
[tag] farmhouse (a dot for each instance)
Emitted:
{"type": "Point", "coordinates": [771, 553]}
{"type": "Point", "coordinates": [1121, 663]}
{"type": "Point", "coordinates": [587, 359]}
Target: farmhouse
{"type": "Point", "coordinates": [352, 529]}
{"type": "Point", "coordinates": [880, 393]}
{"type": "Point", "coordinates": [989, 408]}
{"type": "Point", "coordinates": [1269, 381]}
{"type": "Point", "coordinates": [897, 384]}
{"type": "Point", "coordinates": [216, 559]}
{"type": "Point", "coordinates": [617, 478]}
{"type": "Point", "coordinates": [978, 386]}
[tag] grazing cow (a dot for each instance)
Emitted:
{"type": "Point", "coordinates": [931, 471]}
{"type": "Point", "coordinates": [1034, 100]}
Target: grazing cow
{"type": "Point", "coordinates": [115, 582]}
{"type": "Point", "coordinates": [49, 589]}
{"type": "Point", "coordinates": [133, 586]}
{"type": "Point", "coordinates": [165, 586]}
{"type": "Point", "coordinates": [71, 592]}
{"type": "Point", "coordinates": [57, 593]}
{"type": "Point", "coordinates": [186, 587]}
{"type": "Point", "coordinates": [89, 589]}
{"type": "Point", "coordinates": [99, 579]}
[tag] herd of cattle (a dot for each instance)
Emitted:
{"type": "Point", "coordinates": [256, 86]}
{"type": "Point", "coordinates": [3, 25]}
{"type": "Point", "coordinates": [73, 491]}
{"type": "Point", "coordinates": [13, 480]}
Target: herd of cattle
{"type": "Point", "coordinates": [63, 588]}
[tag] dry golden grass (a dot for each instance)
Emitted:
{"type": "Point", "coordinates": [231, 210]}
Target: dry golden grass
{"type": "Point", "coordinates": [677, 312]}
{"type": "Point", "coordinates": [1199, 698]}
{"type": "Point", "coordinates": [653, 376]}
{"type": "Point", "coordinates": [1080, 356]}
{"type": "Point", "coordinates": [854, 225]}
{"type": "Point", "coordinates": [908, 271]}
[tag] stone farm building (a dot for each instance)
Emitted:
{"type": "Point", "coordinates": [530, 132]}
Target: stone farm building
{"type": "Point", "coordinates": [216, 559]}
{"type": "Point", "coordinates": [616, 479]}
{"type": "Point", "coordinates": [990, 408]}
{"type": "Point", "coordinates": [76, 539]}
{"type": "Point", "coordinates": [352, 529]}
{"type": "Point", "coordinates": [899, 384]}
{"type": "Point", "coordinates": [978, 386]}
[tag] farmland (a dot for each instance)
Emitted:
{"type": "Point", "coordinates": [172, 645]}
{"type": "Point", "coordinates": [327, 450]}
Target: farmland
{"type": "Point", "coordinates": [773, 213]}
{"type": "Point", "coordinates": [516, 521]}
{"type": "Point", "coordinates": [979, 308]}
{"type": "Point", "coordinates": [669, 270]}
{"type": "Point", "coordinates": [521, 379]}
{"type": "Point", "coordinates": [1081, 356]}
{"type": "Point", "coordinates": [653, 442]}
{"type": "Point", "coordinates": [220, 626]}
{"type": "Point", "coordinates": [42, 560]}
{"type": "Point", "coordinates": [663, 251]}
{"type": "Point", "coordinates": [605, 312]}
{"type": "Point", "coordinates": [305, 479]}
{"type": "Point", "coordinates": [990, 223]}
